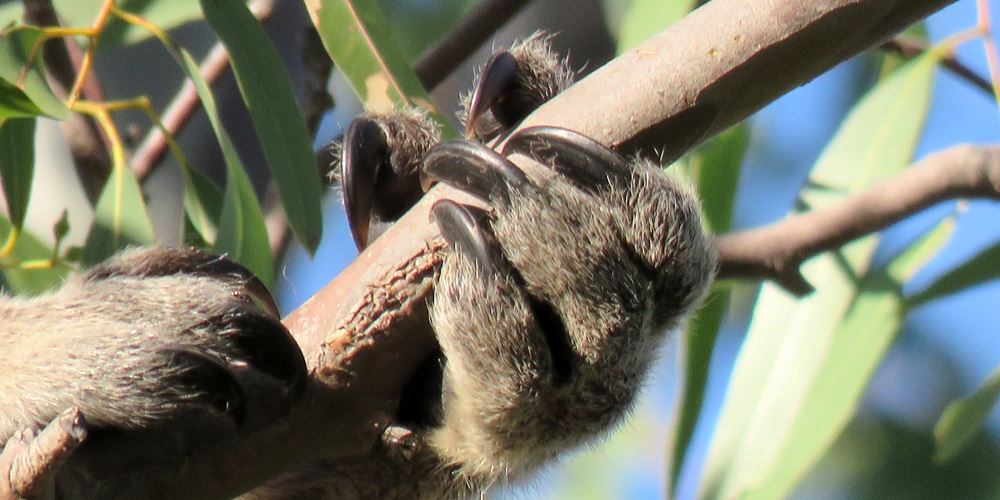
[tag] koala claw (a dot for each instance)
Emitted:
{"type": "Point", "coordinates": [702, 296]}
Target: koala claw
{"type": "Point", "coordinates": [475, 169]}
{"type": "Point", "coordinates": [497, 84]}
{"type": "Point", "coordinates": [584, 161]}
{"type": "Point", "coordinates": [467, 230]}
{"type": "Point", "coordinates": [379, 169]}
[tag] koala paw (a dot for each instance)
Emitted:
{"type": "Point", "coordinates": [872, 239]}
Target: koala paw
{"type": "Point", "coordinates": [153, 338]}
{"type": "Point", "coordinates": [551, 307]}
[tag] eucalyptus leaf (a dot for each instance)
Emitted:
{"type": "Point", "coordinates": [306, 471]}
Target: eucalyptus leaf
{"type": "Point", "coordinates": [806, 361]}
{"type": "Point", "coordinates": [357, 37]}
{"type": "Point", "coordinates": [17, 165]}
{"type": "Point", "coordinates": [267, 92]}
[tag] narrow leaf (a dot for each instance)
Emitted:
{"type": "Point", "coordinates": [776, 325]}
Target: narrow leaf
{"type": "Point", "coordinates": [268, 94]}
{"type": "Point", "coordinates": [715, 170]}
{"type": "Point", "coordinates": [974, 271]}
{"type": "Point", "coordinates": [242, 231]}
{"type": "Point", "coordinates": [358, 38]}
{"type": "Point", "coordinates": [203, 202]}
{"type": "Point", "coordinates": [17, 165]}
{"type": "Point", "coordinates": [805, 362]}
{"type": "Point", "coordinates": [14, 103]}
{"type": "Point", "coordinates": [242, 234]}
{"type": "Point", "coordinates": [963, 419]}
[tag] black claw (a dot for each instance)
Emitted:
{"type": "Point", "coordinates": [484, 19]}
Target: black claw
{"type": "Point", "coordinates": [365, 155]}
{"type": "Point", "coordinates": [373, 191]}
{"type": "Point", "coordinates": [467, 230]}
{"type": "Point", "coordinates": [497, 84]}
{"type": "Point", "coordinates": [266, 345]}
{"type": "Point", "coordinates": [581, 159]}
{"type": "Point", "coordinates": [212, 383]}
{"type": "Point", "coordinates": [475, 169]}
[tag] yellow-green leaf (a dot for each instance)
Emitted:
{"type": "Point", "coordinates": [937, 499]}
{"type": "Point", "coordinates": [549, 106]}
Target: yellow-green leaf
{"type": "Point", "coordinates": [805, 362]}
{"type": "Point", "coordinates": [357, 37]}
{"type": "Point", "coordinates": [963, 419]}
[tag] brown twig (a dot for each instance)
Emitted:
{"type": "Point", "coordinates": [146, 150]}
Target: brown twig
{"type": "Point", "coordinates": [88, 144]}
{"type": "Point", "coordinates": [29, 462]}
{"type": "Point", "coordinates": [478, 26]}
{"type": "Point", "coordinates": [361, 334]}
{"type": "Point", "coordinates": [184, 105]}
{"type": "Point", "coordinates": [776, 251]}
{"type": "Point", "coordinates": [910, 47]}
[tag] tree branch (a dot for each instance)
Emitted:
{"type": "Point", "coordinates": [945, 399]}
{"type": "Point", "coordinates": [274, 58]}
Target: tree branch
{"type": "Point", "coordinates": [776, 251]}
{"type": "Point", "coordinates": [364, 333]}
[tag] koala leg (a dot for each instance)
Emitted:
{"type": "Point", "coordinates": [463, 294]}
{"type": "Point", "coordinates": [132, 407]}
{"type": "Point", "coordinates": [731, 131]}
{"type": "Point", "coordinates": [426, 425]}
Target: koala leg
{"type": "Point", "coordinates": [551, 308]}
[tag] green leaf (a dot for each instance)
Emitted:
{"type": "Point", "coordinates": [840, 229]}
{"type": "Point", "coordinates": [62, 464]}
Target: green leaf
{"type": "Point", "coordinates": [242, 234]}
{"type": "Point", "coordinates": [28, 248]}
{"type": "Point", "coordinates": [357, 37]}
{"type": "Point", "coordinates": [120, 218]}
{"type": "Point", "coordinates": [715, 171]}
{"type": "Point", "coordinates": [268, 94]}
{"type": "Point", "coordinates": [645, 18]}
{"type": "Point", "coordinates": [974, 271]}
{"type": "Point", "coordinates": [17, 165]}
{"type": "Point", "coordinates": [805, 362]}
{"type": "Point", "coordinates": [203, 202]}
{"type": "Point", "coordinates": [14, 103]}
{"type": "Point", "coordinates": [963, 419]}
{"type": "Point", "coordinates": [15, 48]}
{"type": "Point", "coordinates": [167, 14]}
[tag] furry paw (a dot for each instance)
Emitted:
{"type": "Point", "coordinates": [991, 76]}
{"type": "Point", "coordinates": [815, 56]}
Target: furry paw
{"type": "Point", "coordinates": [552, 307]}
{"type": "Point", "coordinates": [153, 338]}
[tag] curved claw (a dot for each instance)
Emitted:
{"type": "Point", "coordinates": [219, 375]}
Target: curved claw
{"type": "Point", "coordinates": [267, 346]}
{"type": "Point", "coordinates": [497, 81]}
{"type": "Point", "coordinates": [365, 154]}
{"type": "Point", "coordinates": [584, 161]}
{"type": "Point", "coordinates": [467, 230]}
{"type": "Point", "coordinates": [475, 169]}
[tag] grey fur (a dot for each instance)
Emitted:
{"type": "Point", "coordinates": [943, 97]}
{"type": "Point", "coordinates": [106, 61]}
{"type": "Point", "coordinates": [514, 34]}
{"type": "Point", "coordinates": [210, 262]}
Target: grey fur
{"type": "Point", "coordinates": [150, 339]}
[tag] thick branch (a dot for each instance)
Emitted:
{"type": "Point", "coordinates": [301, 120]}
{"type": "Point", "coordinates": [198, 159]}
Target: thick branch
{"type": "Point", "coordinates": [361, 334]}
{"type": "Point", "coordinates": [776, 251]}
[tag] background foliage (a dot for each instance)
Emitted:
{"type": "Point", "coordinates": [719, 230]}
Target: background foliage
{"type": "Point", "coordinates": [875, 385]}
